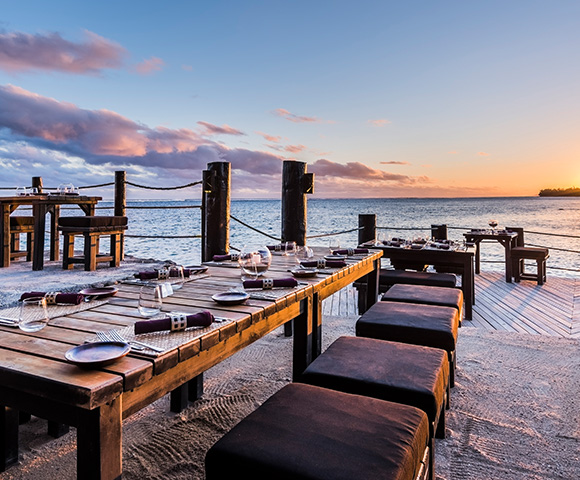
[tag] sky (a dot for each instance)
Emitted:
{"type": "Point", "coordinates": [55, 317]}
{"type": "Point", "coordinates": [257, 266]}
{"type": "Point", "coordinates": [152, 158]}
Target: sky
{"type": "Point", "coordinates": [418, 98]}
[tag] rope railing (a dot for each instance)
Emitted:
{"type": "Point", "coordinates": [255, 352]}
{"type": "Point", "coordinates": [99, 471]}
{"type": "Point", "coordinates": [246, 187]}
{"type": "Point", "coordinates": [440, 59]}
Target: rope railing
{"type": "Point", "coordinates": [164, 188]}
{"type": "Point", "coordinates": [334, 233]}
{"type": "Point", "coordinates": [403, 228]}
{"type": "Point", "coordinates": [163, 236]}
{"type": "Point", "coordinates": [255, 229]}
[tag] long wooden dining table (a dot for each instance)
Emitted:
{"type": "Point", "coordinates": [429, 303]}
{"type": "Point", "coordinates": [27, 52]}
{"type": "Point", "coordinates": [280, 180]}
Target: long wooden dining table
{"type": "Point", "coordinates": [35, 377]}
{"type": "Point", "coordinates": [41, 205]}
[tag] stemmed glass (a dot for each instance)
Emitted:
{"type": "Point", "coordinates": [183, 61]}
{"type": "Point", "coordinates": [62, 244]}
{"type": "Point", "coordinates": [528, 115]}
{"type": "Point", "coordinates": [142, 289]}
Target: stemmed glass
{"type": "Point", "coordinates": [33, 314]}
{"type": "Point", "coordinates": [493, 224]}
{"type": "Point", "coordinates": [176, 276]}
{"type": "Point", "coordinates": [333, 244]}
{"type": "Point", "coordinates": [150, 300]}
{"type": "Point", "coordinates": [289, 248]}
{"type": "Point", "coordinates": [255, 261]}
{"type": "Point", "coordinates": [303, 254]}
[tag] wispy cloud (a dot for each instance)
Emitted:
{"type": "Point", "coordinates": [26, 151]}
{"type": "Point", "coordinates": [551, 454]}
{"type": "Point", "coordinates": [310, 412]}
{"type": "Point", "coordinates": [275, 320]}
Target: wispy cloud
{"type": "Point", "coordinates": [23, 52]}
{"type": "Point", "coordinates": [270, 138]}
{"type": "Point", "coordinates": [381, 122]}
{"type": "Point", "coordinates": [281, 112]}
{"type": "Point", "coordinates": [211, 129]}
{"type": "Point", "coordinates": [483, 154]}
{"type": "Point", "coordinates": [288, 148]}
{"type": "Point", "coordinates": [148, 66]}
{"type": "Point", "coordinates": [394, 162]}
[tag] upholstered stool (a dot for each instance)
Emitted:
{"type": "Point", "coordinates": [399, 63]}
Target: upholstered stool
{"type": "Point", "coordinates": [520, 254]}
{"type": "Point", "coordinates": [308, 432]}
{"type": "Point", "coordinates": [428, 325]}
{"type": "Point", "coordinates": [399, 372]}
{"type": "Point", "coordinates": [18, 226]}
{"type": "Point", "coordinates": [389, 277]}
{"type": "Point", "coordinates": [91, 228]}
{"type": "Point", "coordinates": [427, 295]}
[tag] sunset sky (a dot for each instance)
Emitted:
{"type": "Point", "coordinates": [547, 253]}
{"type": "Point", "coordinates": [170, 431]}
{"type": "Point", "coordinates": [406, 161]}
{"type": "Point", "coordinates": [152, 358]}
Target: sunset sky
{"type": "Point", "coordinates": [381, 98]}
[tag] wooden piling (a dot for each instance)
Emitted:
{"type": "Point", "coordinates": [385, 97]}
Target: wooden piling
{"type": "Point", "coordinates": [37, 183]}
{"type": "Point", "coordinates": [216, 212]}
{"type": "Point", "coordinates": [121, 202]}
{"type": "Point", "coordinates": [296, 184]}
{"type": "Point", "coordinates": [367, 223]}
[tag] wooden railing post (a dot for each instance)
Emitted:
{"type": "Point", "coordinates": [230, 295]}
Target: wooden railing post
{"type": "Point", "coordinates": [367, 223]}
{"type": "Point", "coordinates": [439, 232]}
{"type": "Point", "coordinates": [216, 211]}
{"type": "Point", "coordinates": [296, 184]}
{"type": "Point", "coordinates": [37, 183]}
{"type": "Point", "coordinates": [121, 201]}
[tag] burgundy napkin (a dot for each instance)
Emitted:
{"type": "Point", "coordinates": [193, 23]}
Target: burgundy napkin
{"type": "Point", "coordinates": [324, 263]}
{"type": "Point", "coordinates": [221, 258]}
{"type": "Point", "coordinates": [201, 319]}
{"type": "Point", "coordinates": [417, 246]}
{"type": "Point", "coordinates": [276, 248]}
{"type": "Point", "coordinates": [72, 298]}
{"type": "Point", "coordinates": [270, 283]}
{"type": "Point", "coordinates": [350, 251]}
{"type": "Point", "coordinates": [154, 274]}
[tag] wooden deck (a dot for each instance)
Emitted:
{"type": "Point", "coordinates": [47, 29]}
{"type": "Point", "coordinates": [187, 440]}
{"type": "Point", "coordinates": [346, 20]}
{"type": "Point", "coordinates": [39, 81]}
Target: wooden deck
{"type": "Point", "coordinates": [551, 309]}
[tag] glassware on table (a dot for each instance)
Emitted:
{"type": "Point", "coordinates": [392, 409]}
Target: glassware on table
{"type": "Point", "coordinates": [33, 314]}
{"type": "Point", "coordinates": [21, 191]}
{"type": "Point", "coordinates": [493, 225]}
{"type": "Point", "coordinates": [288, 248]}
{"type": "Point", "coordinates": [176, 276]}
{"type": "Point", "coordinates": [303, 253]}
{"type": "Point", "coordinates": [255, 261]}
{"type": "Point", "coordinates": [333, 244]}
{"type": "Point", "coordinates": [67, 188]}
{"type": "Point", "coordinates": [150, 300]}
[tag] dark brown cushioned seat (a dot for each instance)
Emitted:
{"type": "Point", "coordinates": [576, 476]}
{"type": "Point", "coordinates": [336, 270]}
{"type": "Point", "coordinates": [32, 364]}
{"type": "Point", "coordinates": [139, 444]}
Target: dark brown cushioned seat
{"type": "Point", "coordinates": [308, 432]}
{"type": "Point", "coordinates": [388, 278]}
{"type": "Point", "coordinates": [402, 373]}
{"type": "Point", "coordinates": [91, 223]}
{"type": "Point", "coordinates": [535, 253]}
{"type": "Point", "coordinates": [426, 295]}
{"type": "Point", "coordinates": [428, 325]}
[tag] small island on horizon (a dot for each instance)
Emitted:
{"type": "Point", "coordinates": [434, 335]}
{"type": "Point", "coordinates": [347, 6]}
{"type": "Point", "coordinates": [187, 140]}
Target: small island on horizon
{"type": "Point", "coordinates": [560, 192]}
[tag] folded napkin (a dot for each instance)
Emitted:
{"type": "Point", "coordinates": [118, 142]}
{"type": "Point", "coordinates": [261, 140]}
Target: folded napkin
{"type": "Point", "coordinates": [53, 298]}
{"type": "Point", "coordinates": [322, 263]}
{"type": "Point", "coordinates": [276, 248]}
{"type": "Point", "coordinates": [268, 283]}
{"type": "Point", "coordinates": [393, 243]}
{"type": "Point", "coordinates": [161, 274]}
{"type": "Point", "coordinates": [220, 258]}
{"type": "Point", "coordinates": [174, 322]}
{"type": "Point", "coordinates": [417, 246]}
{"type": "Point", "coordinates": [350, 251]}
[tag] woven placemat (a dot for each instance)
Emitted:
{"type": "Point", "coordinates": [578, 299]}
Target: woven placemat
{"type": "Point", "coordinates": [54, 311]}
{"type": "Point", "coordinates": [136, 281]}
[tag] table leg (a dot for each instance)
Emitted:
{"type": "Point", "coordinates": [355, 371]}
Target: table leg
{"type": "Point", "coordinates": [54, 237]}
{"type": "Point", "coordinates": [373, 285]}
{"type": "Point", "coordinates": [9, 438]}
{"type": "Point", "coordinates": [99, 441]}
{"type": "Point", "coordinates": [39, 213]}
{"type": "Point", "coordinates": [316, 326]}
{"type": "Point", "coordinates": [5, 236]}
{"type": "Point", "coordinates": [302, 354]}
{"type": "Point", "coordinates": [477, 257]}
{"type": "Point", "coordinates": [468, 287]}
{"type": "Point", "coordinates": [508, 260]}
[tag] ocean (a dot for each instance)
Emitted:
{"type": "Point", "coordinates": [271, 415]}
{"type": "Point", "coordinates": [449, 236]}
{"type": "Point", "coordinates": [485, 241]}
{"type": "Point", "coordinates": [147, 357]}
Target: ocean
{"type": "Point", "coordinates": [553, 222]}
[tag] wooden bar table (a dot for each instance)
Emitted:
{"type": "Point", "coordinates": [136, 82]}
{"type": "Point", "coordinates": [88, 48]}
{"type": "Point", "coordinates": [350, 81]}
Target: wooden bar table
{"type": "Point", "coordinates": [41, 205]}
{"type": "Point", "coordinates": [506, 239]}
{"type": "Point", "coordinates": [36, 378]}
{"type": "Point", "coordinates": [461, 259]}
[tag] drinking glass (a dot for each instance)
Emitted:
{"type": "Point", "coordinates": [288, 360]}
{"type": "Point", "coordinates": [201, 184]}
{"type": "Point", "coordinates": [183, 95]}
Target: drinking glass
{"type": "Point", "coordinates": [176, 276]}
{"type": "Point", "coordinates": [150, 300]}
{"type": "Point", "coordinates": [303, 254]}
{"type": "Point", "coordinates": [493, 224]}
{"type": "Point", "coordinates": [33, 314]}
{"type": "Point", "coordinates": [255, 261]}
{"type": "Point", "coordinates": [333, 244]}
{"type": "Point", "coordinates": [289, 248]}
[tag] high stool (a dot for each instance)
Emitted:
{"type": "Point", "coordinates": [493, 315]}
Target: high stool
{"type": "Point", "coordinates": [91, 228]}
{"type": "Point", "coordinates": [308, 432]}
{"type": "Point", "coordinates": [18, 226]}
{"type": "Point", "coordinates": [520, 253]}
{"type": "Point", "coordinates": [427, 325]}
{"type": "Point", "coordinates": [427, 295]}
{"type": "Point", "coordinates": [397, 372]}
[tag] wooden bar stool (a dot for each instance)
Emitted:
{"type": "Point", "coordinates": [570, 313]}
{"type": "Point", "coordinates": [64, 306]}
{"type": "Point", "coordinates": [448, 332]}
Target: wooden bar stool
{"type": "Point", "coordinates": [308, 432]}
{"type": "Point", "coordinates": [520, 253]}
{"type": "Point", "coordinates": [91, 228]}
{"type": "Point", "coordinates": [398, 372]}
{"type": "Point", "coordinates": [19, 226]}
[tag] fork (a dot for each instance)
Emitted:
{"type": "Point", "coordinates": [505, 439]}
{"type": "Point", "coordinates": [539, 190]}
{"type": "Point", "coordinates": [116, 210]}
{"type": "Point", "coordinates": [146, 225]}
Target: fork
{"type": "Point", "coordinates": [108, 337]}
{"type": "Point", "coordinates": [115, 335]}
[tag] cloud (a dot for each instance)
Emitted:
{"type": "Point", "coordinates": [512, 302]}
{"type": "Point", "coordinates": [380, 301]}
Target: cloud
{"type": "Point", "coordinates": [23, 52]}
{"type": "Point", "coordinates": [453, 152]}
{"type": "Point", "coordinates": [356, 171]}
{"type": "Point", "coordinates": [211, 129]}
{"type": "Point", "coordinates": [483, 154]}
{"type": "Point", "coordinates": [288, 148]}
{"type": "Point", "coordinates": [147, 67]}
{"type": "Point", "coordinates": [381, 122]}
{"type": "Point", "coordinates": [270, 138]}
{"type": "Point", "coordinates": [393, 162]}
{"type": "Point", "coordinates": [281, 112]}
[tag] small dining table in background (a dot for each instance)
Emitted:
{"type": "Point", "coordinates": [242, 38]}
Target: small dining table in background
{"type": "Point", "coordinates": [41, 205]}
{"type": "Point", "coordinates": [505, 238]}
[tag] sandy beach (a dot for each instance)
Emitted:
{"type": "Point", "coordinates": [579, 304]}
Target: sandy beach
{"type": "Point", "coordinates": [514, 414]}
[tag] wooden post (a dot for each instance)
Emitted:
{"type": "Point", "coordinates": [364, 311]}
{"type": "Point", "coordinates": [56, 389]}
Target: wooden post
{"type": "Point", "coordinates": [216, 215]}
{"type": "Point", "coordinates": [367, 223]}
{"type": "Point", "coordinates": [37, 182]}
{"type": "Point", "coordinates": [439, 232]}
{"type": "Point", "coordinates": [121, 202]}
{"type": "Point", "coordinates": [296, 183]}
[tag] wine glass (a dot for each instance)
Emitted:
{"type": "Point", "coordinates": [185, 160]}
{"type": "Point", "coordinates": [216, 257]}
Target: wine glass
{"type": "Point", "coordinates": [176, 276]}
{"type": "Point", "coordinates": [150, 300]}
{"type": "Point", "coordinates": [289, 248]}
{"type": "Point", "coordinates": [303, 254]}
{"type": "Point", "coordinates": [255, 261]}
{"type": "Point", "coordinates": [492, 224]}
{"type": "Point", "coordinates": [333, 244]}
{"type": "Point", "coordinates": [33, 314]}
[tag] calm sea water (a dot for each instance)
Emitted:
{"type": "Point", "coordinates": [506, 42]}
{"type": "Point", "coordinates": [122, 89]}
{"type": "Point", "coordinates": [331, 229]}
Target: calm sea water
{"type": "Point", "coordinates": [552, 217]}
